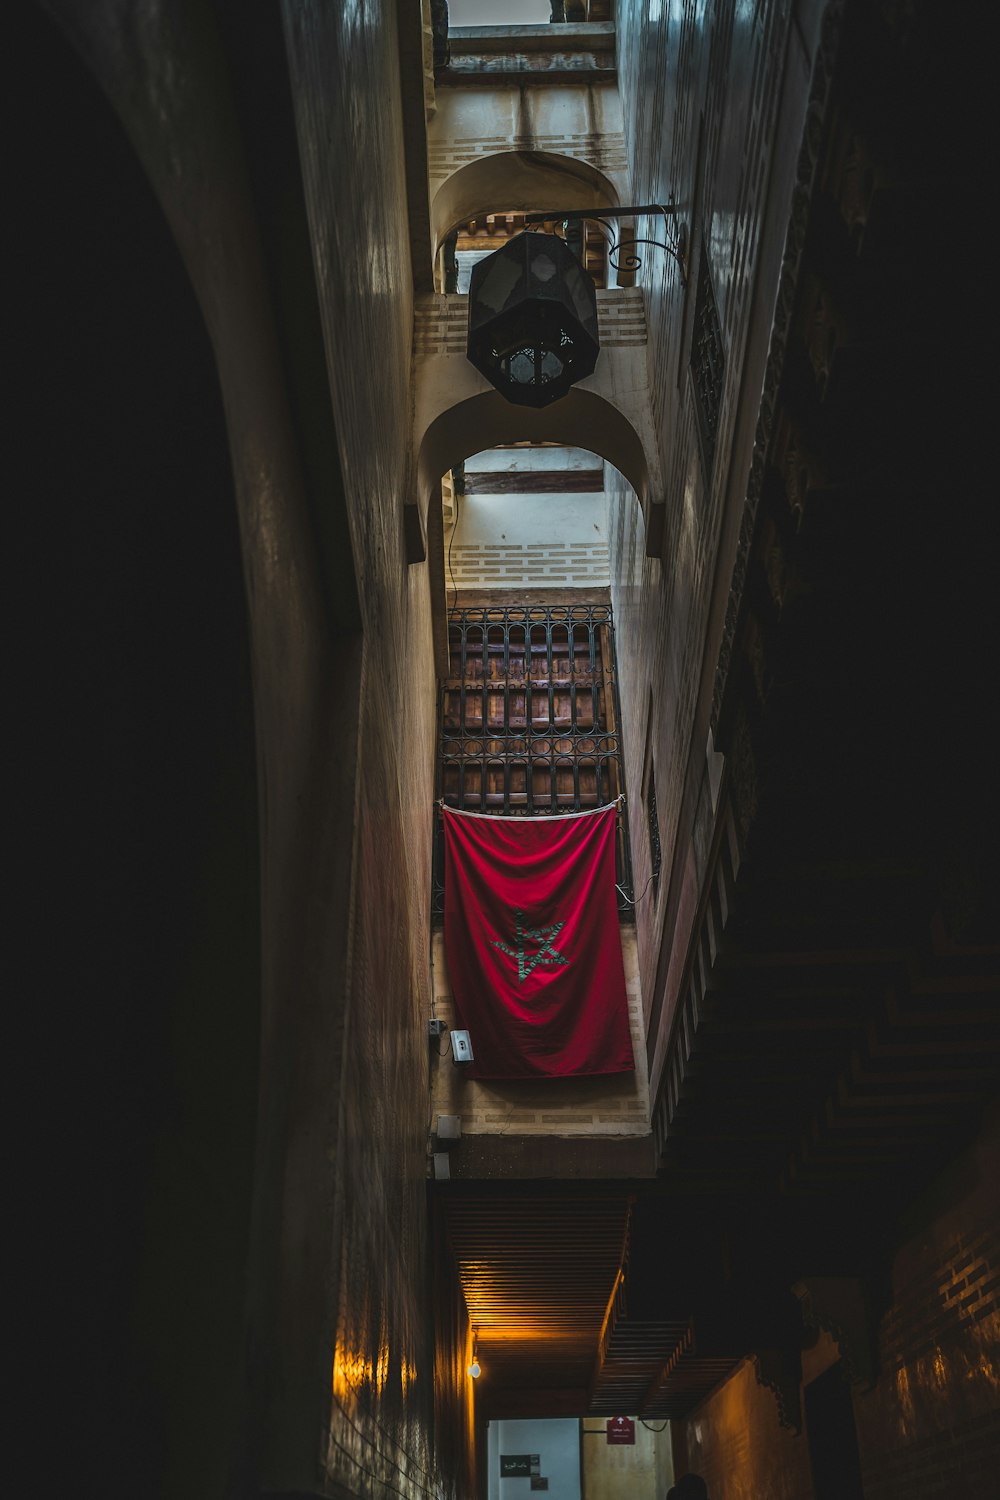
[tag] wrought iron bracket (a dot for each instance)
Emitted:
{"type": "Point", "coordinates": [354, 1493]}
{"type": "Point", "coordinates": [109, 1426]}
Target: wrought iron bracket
{"type": "Point", "coordinates": [619, 258]}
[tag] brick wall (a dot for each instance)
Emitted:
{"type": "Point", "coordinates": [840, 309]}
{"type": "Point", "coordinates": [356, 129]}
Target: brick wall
{"type": "Point", "coordinates": [536, 565]}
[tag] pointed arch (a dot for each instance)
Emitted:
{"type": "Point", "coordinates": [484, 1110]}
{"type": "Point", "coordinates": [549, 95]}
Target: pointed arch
{"type": "Point", "coordinates": [581, 419]}
{"type": "Point", "coordinates": [518, 181]}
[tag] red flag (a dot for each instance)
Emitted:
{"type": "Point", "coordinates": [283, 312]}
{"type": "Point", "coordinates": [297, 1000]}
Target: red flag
{"type": "Point", "coordinates": [531, 936]}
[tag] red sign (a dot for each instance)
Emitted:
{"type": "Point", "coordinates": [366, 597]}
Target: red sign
{"type": "Point", "coordinates": [534, 955]}
{"type": "Point", "coordinates": [621, 1430]}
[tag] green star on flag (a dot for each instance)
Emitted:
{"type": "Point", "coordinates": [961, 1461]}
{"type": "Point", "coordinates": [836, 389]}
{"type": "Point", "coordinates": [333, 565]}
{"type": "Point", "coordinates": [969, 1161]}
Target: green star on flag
{"type": "Point", "coordinates": [544, 936]}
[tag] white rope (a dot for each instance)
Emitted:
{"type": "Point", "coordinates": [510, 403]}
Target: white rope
{"type": "Point", "coordinates": [588, 812]}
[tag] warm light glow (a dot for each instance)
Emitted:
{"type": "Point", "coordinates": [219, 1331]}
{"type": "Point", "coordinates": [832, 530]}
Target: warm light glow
{"type": "Point", "coordinates": [353, 1374]}
{"type": "Point", "coordinates": [473, 1368]}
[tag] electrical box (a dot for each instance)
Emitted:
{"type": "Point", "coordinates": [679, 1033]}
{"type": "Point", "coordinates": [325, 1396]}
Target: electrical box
{"type": "Point", "coordinates": [461, 1047]}
{"type": "Point", "coordinates": [436, 1028]}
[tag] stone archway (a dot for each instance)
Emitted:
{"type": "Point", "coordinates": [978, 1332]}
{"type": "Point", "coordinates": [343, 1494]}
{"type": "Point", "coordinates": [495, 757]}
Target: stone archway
{"type": "Point", "coordinates": [582, 419]}
{"type": "Point", "coordinates": [517, 181]}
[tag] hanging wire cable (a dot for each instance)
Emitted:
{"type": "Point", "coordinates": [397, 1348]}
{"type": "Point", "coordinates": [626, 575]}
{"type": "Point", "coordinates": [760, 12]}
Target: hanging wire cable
{"type": "Point", "coordinates": [451, 538]}
{"type": "Point", "coordinates": [638, 898]}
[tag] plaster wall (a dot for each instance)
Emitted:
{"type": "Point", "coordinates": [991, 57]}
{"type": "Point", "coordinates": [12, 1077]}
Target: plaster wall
{"type": "Point", "coordinates": [458, 413]}
{"type": "Point", "coordinates": [613, 1471]}
{"type": "Point", "coordinates": [528, 540]}
{"type": "Point", "coordinates": [557, 1443]}
{"type": "Point", "coordinates": [531, 460]}
{"type": "Point", "coordinates": [474, 123]}
{"type": "Point", "coordinates": [735, 1444]}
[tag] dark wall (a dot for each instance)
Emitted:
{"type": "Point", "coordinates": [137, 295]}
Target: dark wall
{"type": "Point", "coordinates": [930, 1427]}
{"type": "Point", "coordinates": [134, 807]}
{"type": "Point", "coordinates": [239, 122]}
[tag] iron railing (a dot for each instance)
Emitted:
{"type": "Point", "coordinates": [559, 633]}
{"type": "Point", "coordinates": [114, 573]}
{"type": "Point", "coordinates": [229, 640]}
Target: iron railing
{"type": "Point", "coordinates": [529, 719]}
{"type": "Point", "coordinates": [708, 364]}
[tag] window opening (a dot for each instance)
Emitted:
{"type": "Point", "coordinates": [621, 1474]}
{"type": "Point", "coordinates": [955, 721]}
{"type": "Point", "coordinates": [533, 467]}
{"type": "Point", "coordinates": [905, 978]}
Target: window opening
{"type": "Point", "coordinates": [655, 856]}
{"type": "Point", "coordinates": [529, 721]}
{"type": "Point", "coordinates": [707, 365]}
{"type": "Point", "coordinates": [833, 1437]}
{"type": "Point", "coordinates": [525, 12]}
{"type": "Point", "coordinates": [480, 237]}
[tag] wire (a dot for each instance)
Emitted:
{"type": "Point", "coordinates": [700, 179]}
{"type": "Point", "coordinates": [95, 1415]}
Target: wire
{"type": "Point", "coordinates": [650, 1428]}
{"type": "Point", "coordinates": [639, 897]}
{"type": "Point", "coordinates": [451, 538]}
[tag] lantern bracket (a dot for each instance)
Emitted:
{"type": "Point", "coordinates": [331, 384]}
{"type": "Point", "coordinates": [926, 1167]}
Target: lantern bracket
{"type": "Point", "coordinates": [619, 258]}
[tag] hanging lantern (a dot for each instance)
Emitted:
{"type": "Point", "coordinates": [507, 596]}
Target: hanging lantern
{"type": "Point", "coordinates": [533, 319]}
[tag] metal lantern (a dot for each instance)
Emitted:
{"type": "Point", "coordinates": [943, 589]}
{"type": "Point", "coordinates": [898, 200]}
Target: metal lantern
{"type": "Point", "coordinates": [533, 319]}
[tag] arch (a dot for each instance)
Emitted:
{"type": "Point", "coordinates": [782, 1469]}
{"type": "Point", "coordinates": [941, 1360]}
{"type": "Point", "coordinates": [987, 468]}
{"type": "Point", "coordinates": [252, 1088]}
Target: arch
{"type": "Point", "coordinates": [582, 419]}
{"type": "Point", "coordinates": [138, 794]}
{"type": "Point", "coordinates": [518, 181]}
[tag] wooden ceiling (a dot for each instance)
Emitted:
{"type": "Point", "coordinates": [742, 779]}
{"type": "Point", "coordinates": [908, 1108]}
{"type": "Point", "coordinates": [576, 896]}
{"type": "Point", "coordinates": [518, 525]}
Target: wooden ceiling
{"type": "Point", "coordinates": [537, 1264]}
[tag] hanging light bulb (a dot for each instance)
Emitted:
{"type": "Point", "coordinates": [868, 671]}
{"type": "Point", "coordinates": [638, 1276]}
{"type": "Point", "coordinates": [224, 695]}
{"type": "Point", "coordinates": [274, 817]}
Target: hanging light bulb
{"type": "Point", "coordinates": [475, 1368]}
